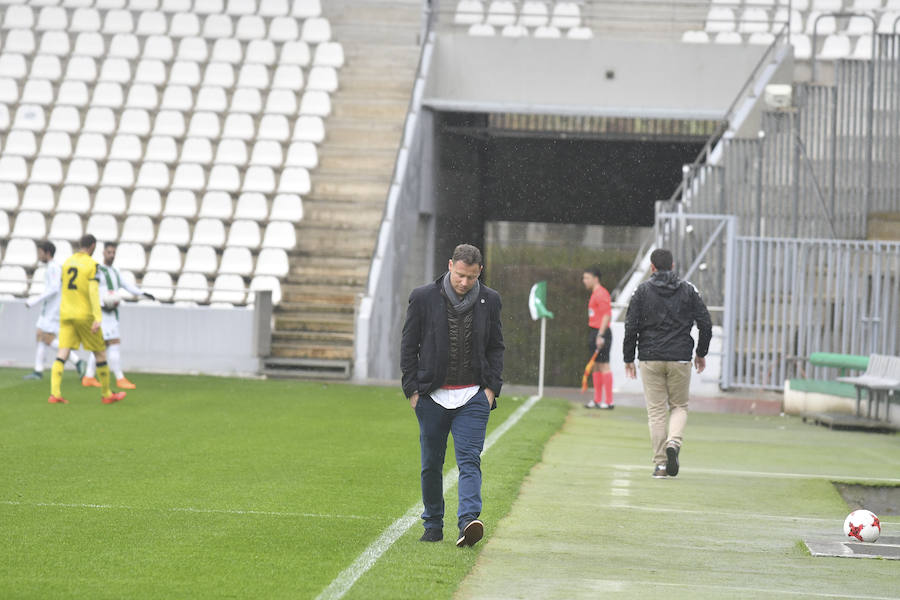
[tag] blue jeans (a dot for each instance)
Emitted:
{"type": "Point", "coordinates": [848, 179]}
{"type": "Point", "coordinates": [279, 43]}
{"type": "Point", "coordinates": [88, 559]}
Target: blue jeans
{"type": "Point", "coordinates": [468, 424]}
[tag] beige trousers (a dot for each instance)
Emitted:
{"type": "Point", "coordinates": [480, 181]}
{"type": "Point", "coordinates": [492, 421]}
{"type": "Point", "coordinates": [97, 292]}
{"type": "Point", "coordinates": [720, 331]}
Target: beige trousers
{"type": "Point", "coordinates": [666, 385]}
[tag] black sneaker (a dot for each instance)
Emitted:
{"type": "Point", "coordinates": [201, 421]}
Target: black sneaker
{"type": "Point", "coordinates": [606, 406]}
{"type": "Point", "coordinates": [591, 404]}
{"type": "Point", "coordinates": [672, 459]}
{"type": "Point", "coordinates": [659, 472]}
{"type": "Point", "coordinates": [432, 534]}
{"type": "Point", "coordinates": [470, 534]}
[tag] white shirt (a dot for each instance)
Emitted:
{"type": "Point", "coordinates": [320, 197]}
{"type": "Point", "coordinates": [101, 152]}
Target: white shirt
{"type": "Point", "coordinates": [51, 296]}
{"type": "Point", "coordinates": [455, 398]}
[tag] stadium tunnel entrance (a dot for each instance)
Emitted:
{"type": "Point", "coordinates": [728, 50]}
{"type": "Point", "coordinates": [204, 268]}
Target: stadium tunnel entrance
{"type": "Point", "coordinates": [491, 169]}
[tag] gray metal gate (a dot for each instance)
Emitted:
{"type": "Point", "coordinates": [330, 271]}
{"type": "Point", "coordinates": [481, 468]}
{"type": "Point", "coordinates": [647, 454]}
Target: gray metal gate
{"type": "Point", "coordinates": [794, 297]}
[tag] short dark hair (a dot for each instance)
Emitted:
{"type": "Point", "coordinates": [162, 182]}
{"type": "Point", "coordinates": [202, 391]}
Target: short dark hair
{"type": "Point", "coordinates": [468, 254]}
{"type": "Point", "coordinates": [661, 259]}
{"type": "Point", "coordinates": [595, 271]}
{"type": "Point", "coordinates": [87, 240]}
{"type": "Point", "coordinates": [48, 247]}
{"type": "Point", "coordinates": [110, 245]}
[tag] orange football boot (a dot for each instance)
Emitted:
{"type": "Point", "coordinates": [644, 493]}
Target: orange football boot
{"type": "Point", "coordinates": [113, 398]}
{"type": "Point", "coordinates": [55, 400]}
{"type": "Point", "coordinates": [124, 384]}
{"type": "Point", "coordinates": [90, 382]}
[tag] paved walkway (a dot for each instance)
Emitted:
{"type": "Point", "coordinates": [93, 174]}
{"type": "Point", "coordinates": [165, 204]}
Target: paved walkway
{"type": "Point", "coordinates": [591, 520]}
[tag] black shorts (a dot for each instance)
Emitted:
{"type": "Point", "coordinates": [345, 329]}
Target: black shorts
{"type": "Point", "coordinates": [603, 355]}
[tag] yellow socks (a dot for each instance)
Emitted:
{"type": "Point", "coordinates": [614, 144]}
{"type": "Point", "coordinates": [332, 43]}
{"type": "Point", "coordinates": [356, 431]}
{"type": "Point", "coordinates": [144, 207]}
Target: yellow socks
{"type": "Point", "coordinates": [56, 373]}
{"type": "Point", "coordinates": [103, 376]}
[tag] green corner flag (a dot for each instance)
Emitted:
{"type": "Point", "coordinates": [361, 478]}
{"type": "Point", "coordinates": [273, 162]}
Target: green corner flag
{"type": "Point", "coordinates": [537, 301]}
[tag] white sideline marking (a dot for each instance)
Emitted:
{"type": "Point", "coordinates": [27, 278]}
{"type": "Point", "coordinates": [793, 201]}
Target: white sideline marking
{"type": "Point", "coordinates": [221, 511]}
{"type": "Point", "coordinates": [773, 475]}
{"type": "Point", "coordinates": [622, 585]}
{"type": "Point", "coordinates": [721, 513]}
{"type": "Point", "coordinates": [349, 576]}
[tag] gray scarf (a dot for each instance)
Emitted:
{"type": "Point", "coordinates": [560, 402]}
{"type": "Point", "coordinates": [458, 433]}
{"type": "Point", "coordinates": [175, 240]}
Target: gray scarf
{"type": "Point", "coordinates": [460, 305]}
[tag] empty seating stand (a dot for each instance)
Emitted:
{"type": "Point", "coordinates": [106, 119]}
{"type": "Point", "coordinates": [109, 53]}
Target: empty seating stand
{"type": "Point", "coordinates": [177, 128]}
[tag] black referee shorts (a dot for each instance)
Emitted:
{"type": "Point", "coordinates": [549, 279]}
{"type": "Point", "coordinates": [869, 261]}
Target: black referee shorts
{"type": "Point", "coordinates": [603, 355]}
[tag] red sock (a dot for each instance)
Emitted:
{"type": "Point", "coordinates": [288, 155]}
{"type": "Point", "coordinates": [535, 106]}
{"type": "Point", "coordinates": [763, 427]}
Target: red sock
{"type": "Point", "coordinates": [597, 378]}
{"type": "Point", "coordinates": [607, 386]}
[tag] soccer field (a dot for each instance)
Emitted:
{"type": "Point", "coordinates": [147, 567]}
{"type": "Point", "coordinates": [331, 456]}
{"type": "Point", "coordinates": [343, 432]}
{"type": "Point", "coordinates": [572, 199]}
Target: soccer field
{"type": "Point", "coordinates": [202, 487]}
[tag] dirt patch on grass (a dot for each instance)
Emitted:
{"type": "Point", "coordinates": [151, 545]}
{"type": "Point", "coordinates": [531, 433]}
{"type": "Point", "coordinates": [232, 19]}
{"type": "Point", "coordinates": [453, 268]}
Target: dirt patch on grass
{"type": "Point", "coordinates": [880, 499]}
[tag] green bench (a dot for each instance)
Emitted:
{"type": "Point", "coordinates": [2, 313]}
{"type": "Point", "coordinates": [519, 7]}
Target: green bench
{"type": "Point", "coordinates": [842, 362]}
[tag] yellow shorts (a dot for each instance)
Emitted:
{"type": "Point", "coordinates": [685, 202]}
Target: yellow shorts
{"type": "Point", "coordinates": [74, 333]}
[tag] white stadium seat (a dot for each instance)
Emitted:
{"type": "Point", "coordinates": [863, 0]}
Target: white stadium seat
{"type": "Point", "coordinates": [728, 37]}
{"type": "Point", "coordinates": [184, 24]}
{"type": "Point", "coordinates": [18, 17]}
{"type": "Point", "coordinates": [218, 26]}
{"type": "Point", "coordinates": [251, 27]}
{"type": "Point", "coordinates": [761, 38]}
{"type": "Point", "coordinates": [177, 97]}
{"type": "Point", "coordinates": [37, 91]}
{"type": "Point", "coordinates": [124, 146]}
{"type": "Point", "coordinates": [20, 41]}
{"type": "Point", "coordinates": [244, 233]}
{"type": "Point", "coordinates": [274, 127]}
{"type": "Point", "coordinates": [268, 153]}
{"type": "Point", "coordinates": [110, 200]}
{"type": "Point", "coordinates": [272, 261]}
{"type": "Point", "coordinates": [151, 23]}
{"type": "Point", "coordinates": [158, 283]}
{"type": "Point", "coordinates": [295, 53]}
{"type": "Point", "coordinates": [227, 50]}
{"type": "Point", "coordinates": [103, 227]}
{"type": "Point", "coordinates": [191, 287]}
{"type": "Point", "coordinates": [266, 282]}
{"type": "Point", "coordinates": [514, 31]}
{"type": "Point", "coordinates": [209, 232]}
{"type": "Point", "coordinates": [164, 257]}
{"type": "Point", "coordinates": [324, 79]}
{"type": "Point", "coordinates": [236, 260]}
{"type": "Point", "coordinates": [231, 152]}
{"type": "Point", "coordinates": [181, 203]}
{"type": "Point", "coordinates": [83, 171]}
{"type": "Point", "coordinates": [74, 198]}
{"type": "Point", "coordinates": [826, 24]}
{"type": "Point", "coordinates": [66, 226]}
{"type": "Point", "coordinates": [118, 173]}
{"type": "Point", "coordinates": [109, 94]}
{"type": "Point", "coordinates": [282, 102]}
{"type": "Point", "coordinates": [280, 234]}
{"type": "Point", "coordinates": [201, 259]}
{"type": "Point", "coordinates": [56, 143]}
{"type": "Point", "coordinates": [209, 7]}
{"type": "Point", "coordinates": [294, 180]}
{"type": "Point", "coordinates": [20, 142]}
{"type": "Point", "coordinates": [46, 169]}
{"type": "Point", "coordinates": [89, 44]}
{"type": "Point", "coordinates": [228, 288]}
{"type": "Point", "coordinates": [13, 280]}
{"type": "Point", "coordinates": [315, 103]}
{"type": "Point", "coordinates": [246, 100]}
{"type": "Point", "coordinates": [56, 43]}
{"type": "Point", "coordinates": [548, 32]}
{"type": "Point", "coordinates": [719, 19]}
{"type": "Point", "coordinates": [13, 168]}
{"type": "Point", "coordinates": [74, 93]}
{"type": "Point", "coordinates": [482, 30]}
{"type": "Point", "coordinates": [533, 14]}
{"type": "Point", "coordinates": [287, 207]}
{"type": "Point", "coordinates": [238, 126]}
{"type": "Point", "coordinates": [160, 148]}
{"type": "Point", "coordinates": [124, 45]}
{"type": "Point", "coordinates": [468, 12]}
{"type": "Point", "coordinates": [284, 29]}
{"type": "Point", "coordinates": [30, 224]}
{"type": "Point", "coordinates": [91, 145]}
{"type": "Point", "coordinates": [259, 179]}
{"type": "Point", "coordinates": [131, 256]}
{"type": "Point", "coordinates": [802, 46]}
{"type": "Point", "coordinates": [252, 206]}
{"type": "Point", "coordinates": [205, 125]}
{"type": "Point", "coordinates": [39, 197]}
{"type": "Point", "coordinates": [211, 98]}
{"type": "Point", "coordinates": [159, 47]}
{"type": "Point", "coordinates": [64, 118]}
{"type": "Point", "coordinates": [254, 76]}
{"type": "Point", "coordinates": [566, 15]}
{"type": "Point", "coordinates": [173, 230]}
{"type": "Point", "coordinates": [20, 251]}
{"type": "Point", "coordinates": [754, 20]}
{"type": "Point", "coordinates": [151, 71]}
{"type": "Point", "coordinates": [135, 121]}
{"type": "Point", "coordinates": [216, 205]}
{"type": "Point", "coordinates": [9, 196]}
{"type": "Point", "coordinates": [836, 46]}
{"type": "Point", "coordinates": [184, 72]}
{"type": "Point", "coordinates": [219, 74]}
{"type": "Point", "coordinates": [309, 129]}
{"type": "Point", "coordinates": [145, 201]}
{"type": "Point", "coordinates": [288, 77]}
{"type": "Point", "coordinates": [30, 117]}
{"type": "Point", "coordinates": [153, 175]}
{"type": "Point", "coordinates": [315, 30]}
{"type": "Point", "coordinates": [306, 8]}
{"type": "Point", "coordinates": [189, 176]}
{"type": "Point", "coordinates": [196, 150]}
{"type": "Point", "coordinates": [273, 8]}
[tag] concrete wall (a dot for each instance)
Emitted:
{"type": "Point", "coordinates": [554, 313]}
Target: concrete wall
{"type": "Point", "coordinates": [160, 338]}
{"type": "Point", "coordinates": [648, 78]}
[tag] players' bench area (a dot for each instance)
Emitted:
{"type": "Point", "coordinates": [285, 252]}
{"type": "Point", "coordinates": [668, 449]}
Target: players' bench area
{"type": "Point", "coordinates": [877, 381]}
{"type": "Point", "coordinates": [184, 130]}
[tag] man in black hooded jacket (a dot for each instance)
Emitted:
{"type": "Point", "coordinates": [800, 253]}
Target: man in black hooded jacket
{"type": "Point", "coordinates": [660, 316]}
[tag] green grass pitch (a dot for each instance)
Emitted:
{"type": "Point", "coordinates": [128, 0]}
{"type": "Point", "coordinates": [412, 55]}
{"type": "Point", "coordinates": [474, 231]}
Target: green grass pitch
{"type": "Point", "coordinates": [203, 487]}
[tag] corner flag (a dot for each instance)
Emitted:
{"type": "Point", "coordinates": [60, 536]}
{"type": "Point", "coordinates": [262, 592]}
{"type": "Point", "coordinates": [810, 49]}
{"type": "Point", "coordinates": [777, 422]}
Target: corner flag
{"type": "Point", "coordinates": [537, 302]}
{"type": "Point", "coordinates": [537, 306]}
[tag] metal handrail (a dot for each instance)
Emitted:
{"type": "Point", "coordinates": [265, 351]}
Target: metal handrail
{"type": "Point", "coordinates": [703, 156]}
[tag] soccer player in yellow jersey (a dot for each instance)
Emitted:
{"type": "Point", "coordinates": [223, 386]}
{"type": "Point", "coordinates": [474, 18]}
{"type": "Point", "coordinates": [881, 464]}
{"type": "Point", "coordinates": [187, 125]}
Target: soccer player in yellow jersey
{"type": "Point", "coordinates": [79, 320]}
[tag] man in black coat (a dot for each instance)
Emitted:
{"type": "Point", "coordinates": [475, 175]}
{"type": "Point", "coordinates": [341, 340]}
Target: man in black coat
{"type": "Point", "coordinates": [451, 357]}
{"type": "Point", "coordinates": [660, 316]}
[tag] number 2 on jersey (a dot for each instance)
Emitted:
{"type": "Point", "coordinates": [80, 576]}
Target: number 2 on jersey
{"type": "Point", "coordinates": [74, 272]}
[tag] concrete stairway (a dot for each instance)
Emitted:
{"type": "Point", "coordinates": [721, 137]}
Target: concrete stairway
{"type": "Point", "coordinates": [314, 324]}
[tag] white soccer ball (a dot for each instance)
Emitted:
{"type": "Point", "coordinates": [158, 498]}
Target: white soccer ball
{"type": "Point", "coordinates": [862, 525]}
{"type": "Point", "coordinates": [111, 298]}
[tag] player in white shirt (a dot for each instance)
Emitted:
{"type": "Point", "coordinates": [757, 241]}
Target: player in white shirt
{"type": "Point", "coordinates": [110, 283]}
{"type": "Point", "coordinates": [48, 321]}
